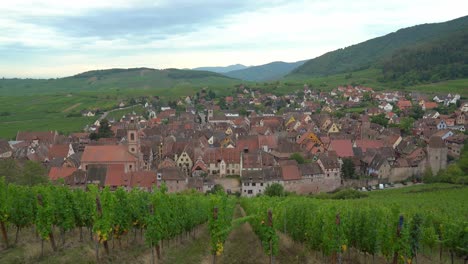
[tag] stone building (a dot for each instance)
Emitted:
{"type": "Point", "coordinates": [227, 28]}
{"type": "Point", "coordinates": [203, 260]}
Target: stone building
{"type": "Point", "coordinates": [436, 154]}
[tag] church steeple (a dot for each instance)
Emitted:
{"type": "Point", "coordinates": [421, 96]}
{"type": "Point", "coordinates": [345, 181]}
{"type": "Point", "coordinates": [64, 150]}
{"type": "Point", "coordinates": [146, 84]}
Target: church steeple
{"type": "Point", "coordinates": [133, 140]}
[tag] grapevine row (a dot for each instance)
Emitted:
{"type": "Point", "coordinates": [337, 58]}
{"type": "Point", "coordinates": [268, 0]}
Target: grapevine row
{"type": "Point", "coordinates": [333, 226]}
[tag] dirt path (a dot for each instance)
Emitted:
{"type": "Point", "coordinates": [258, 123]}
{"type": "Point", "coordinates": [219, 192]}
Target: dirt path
{"type": "Point", "coordinates": [71, 108]}
{"type": "Point", "coordinates": [242, 245]}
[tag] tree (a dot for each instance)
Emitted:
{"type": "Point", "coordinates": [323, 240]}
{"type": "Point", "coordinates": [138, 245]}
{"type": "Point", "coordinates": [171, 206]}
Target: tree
{"type": "Point", "coordinates": [10, 170]}
{"type": "Point", "coordinates": [243, 112]}
{"type": "Point", "coordinates": [298, 157]}
{"type": "Point", "coordinates": [380, 119]}
{"type": "Point", "coordinates": [274, 189]}
{"type": "Point", "coordinates": [416, 112]}
{"type": "Point", "coordinates": [222, 103]}
{"type": "Point", "coordinates": [33, 173]}
{"type": "Point", "coordinates": [103, 132]}
{"type": "Point", "coordinates": [406, 123]}
{"type": "Point", "coordinates": [347, 169]}
{"type": "Point", "coordinates": [217, 188]}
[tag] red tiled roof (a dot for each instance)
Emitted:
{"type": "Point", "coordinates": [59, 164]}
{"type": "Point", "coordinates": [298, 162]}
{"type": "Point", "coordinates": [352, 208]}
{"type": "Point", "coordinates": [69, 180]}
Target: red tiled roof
{"type": "Point", "coordinates": [248, 142]}
{"type": "Point", "coordinates": [430, 105]}
{"type": "Point", "coordinates": [115, 175]}
{"type": "Point", "coordinates": [369, 144]}
{"type": "Point", "coordinates": [145, 179]}
{"type": "Point", "coordinates": [56, 173]}
{"type": "Point", "coordinates": [212, 155]}
{"type": "Point", "coordinates": [107, 153]}
{"type": "Point", "coordinates": [343, 147]}
{"type": "Point", "coordinates": [48, 136]}
{"type": "Point", "coordinates": [270, 141]}
{"type": "Point", "coordinates": [404, 104]}
{"type": "Point", "coordinates": [290, 172]}
{"type": "Point", "coordinates": [58, 151]}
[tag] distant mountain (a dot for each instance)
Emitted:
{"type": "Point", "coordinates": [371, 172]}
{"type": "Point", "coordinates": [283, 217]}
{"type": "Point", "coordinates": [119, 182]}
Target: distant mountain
{"type": "Point", "coordinates": [267, 72]}
{"type": "Point", "coordinates": [116, 79]}
{"type": "Point", "coordinates": [379, 52]}
{"type": "Point", "coordinates": [221, 69]}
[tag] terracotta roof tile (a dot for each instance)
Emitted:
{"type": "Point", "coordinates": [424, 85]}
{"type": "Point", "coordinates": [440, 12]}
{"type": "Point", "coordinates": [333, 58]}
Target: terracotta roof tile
{"type": "Point", "coordinates": [56, 173]}
{"type": "Point", "coordinates": [343, 147]}
{"type": "Point", "coordinates": [290, 172]}
{"type": "Point", "coordinates": [107, 153]}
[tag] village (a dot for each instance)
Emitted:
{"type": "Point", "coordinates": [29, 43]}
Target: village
{"type": "Point", "coordinates": [309, 141]}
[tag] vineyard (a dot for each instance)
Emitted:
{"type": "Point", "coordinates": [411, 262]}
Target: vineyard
{"type": "Point", "coordinates": [422, 224]}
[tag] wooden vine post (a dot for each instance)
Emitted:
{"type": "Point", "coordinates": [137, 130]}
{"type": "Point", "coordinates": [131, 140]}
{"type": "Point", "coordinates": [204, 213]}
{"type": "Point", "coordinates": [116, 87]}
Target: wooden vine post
{"type": "Point", "coordinates": [4, 233]}
{"type": "Point", "coordinates": [215, 217]}
{"type": "Point", "coordinates": [51, 235]}
{"type": "Point", "coordinates": [338, 222]}
{"type": "Point", "coordinates": [99, 209]}
{"type": "Point", "coordinates": [400, 226]}
{"type": "Point", "coordinates": [158, 249]}
{"type": "Point", "coordinates": [270, 224]}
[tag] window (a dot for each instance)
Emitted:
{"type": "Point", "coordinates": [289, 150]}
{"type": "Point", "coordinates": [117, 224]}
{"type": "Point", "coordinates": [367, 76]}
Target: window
{"type": "Point", "coordinates": [132, 136]}
{"type": "Point", "coordinates": [249, 192]}
{"type": "Point", "coordinates": [253, 184]}
{"type": "Point", "coordinates": [130, 166]}
{"type": "Point", "coordinates": [261, 184]}
{"type": "Point", "coordinates": [133, 149]}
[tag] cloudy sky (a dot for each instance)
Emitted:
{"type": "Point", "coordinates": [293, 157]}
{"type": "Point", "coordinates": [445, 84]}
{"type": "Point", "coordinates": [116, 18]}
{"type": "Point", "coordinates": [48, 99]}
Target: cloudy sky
{"type": "Point", "coordinates": [58, 38]}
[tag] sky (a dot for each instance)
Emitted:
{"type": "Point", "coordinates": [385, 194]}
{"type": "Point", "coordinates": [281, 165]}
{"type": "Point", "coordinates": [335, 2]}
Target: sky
{"type": "Point", "coordinates": [57, 38]}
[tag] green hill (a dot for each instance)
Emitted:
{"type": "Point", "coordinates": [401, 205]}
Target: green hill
{"type": "Point", "coordinates": [116, 79]}
{"type": "Point", "coordinates": [267, 72]}
{"type": "Point", "coordinates": [376, 52]}
{"type": "Point", "coordinates": [222, 69]}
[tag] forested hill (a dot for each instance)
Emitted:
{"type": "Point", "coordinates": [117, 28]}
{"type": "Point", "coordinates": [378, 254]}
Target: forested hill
{"type": "Point", "coordinates": [267, 72]}
{"type": "Point", "coordinates": [111, 79]}
{"type": "Point", "coordinates": [443, 59]}
{"type": "Point", "coordinates": [379, 51]}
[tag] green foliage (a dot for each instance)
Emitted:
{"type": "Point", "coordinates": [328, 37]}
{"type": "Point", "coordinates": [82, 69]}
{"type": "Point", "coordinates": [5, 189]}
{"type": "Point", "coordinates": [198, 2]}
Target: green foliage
{"type": "Point", "coordinates": [374, 51]}
{"type": "Point", "coordinates": [298, 157]}
{"type": "Point", "coordinates": [347, 169]}
{"type": "Point", "coordinates": [217, 189]}
{"type": "Point", "coordinates": [370, 225]}
{"type": "Point", "coordinates": [439, 60]}
{"type": "Point", "coordinates": [260, 223]}
{"type": "Point", "coordinates": [342, 195]}
{"type": "Point", "coordinates": [274, 189]}
{"type": "Point", "coordinates": [380, 119]}
{"type": "Point", "coordinates": [104, 131]}
{"type": "Point", "coordinates": [33, 173]}
{"type": "Point", "coordinates": [221, 210]}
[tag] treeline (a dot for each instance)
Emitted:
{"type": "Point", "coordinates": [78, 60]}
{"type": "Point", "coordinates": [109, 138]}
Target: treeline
{"type": "Point", "coordinates": [440, 60]}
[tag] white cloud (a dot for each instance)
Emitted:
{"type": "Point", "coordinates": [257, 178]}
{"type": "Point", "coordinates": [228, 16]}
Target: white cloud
{"type": "Point", "coordinates": [282, 30]}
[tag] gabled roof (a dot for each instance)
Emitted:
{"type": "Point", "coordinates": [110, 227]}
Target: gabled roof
{"type": "Point", "coordinates": [365, 144]}
{"type": "Point", "coordinates": [342, 147]}
{"type": "Point", "coordinates": [107, 153]}
{"type": "Point", "coordinates": [172, 174]}
{"type": "Point", "coordinates": [56, 173]}
{"type": "Point", "coordinates": [290, 173]}
{"type": "Point", "coordinates": [58, 151]}
{"type": "Point", "coordinates": [143, 179]}
{"type": "Point", "coordinates": [115, 175]}
{"type": "Point", "coordinates": [46, 136]}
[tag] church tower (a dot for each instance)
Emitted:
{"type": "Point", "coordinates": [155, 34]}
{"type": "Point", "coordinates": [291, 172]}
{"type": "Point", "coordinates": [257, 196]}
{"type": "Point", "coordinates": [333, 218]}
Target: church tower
{"type": "Point", "coordinates": [133, 141]}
